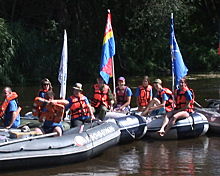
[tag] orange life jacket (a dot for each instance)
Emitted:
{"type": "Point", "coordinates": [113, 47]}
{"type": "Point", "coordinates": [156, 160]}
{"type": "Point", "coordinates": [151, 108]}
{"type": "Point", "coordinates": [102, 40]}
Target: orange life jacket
{"type": "Point", "coordinates": [79, 108]}
{"type": "Point", "coordinates": [121, 95]}
{"type": "Point", "coordinates": [144, 96]}
{"type": "Point", "coordinates": [5, 103]}
{"type": "Point", "coordinates": [42, 90]}
{"type": "Point", "coordinates": [181, 99]}
{"type": "Point", "coordinates": [169, 102]}
{"type": "Point", "coordinates": [100, 96]}
{"type": "Point", "coordinates": [54, 112]}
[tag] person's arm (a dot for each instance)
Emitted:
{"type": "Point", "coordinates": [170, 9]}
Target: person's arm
{"type": "Point", "coordinates": [110, 99]}
{"type": "Point", "coordinates": [91, 112]}
{"type": "Point", "coordinates": [60, 101]}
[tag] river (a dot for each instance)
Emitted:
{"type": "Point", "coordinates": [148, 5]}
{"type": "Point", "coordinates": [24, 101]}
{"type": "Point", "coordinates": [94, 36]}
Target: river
{"type": "Point", "coordinates": [199, 156]}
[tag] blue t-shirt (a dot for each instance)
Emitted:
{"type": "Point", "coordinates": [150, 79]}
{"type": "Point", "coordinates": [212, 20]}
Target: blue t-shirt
{"type": "Point", "coordinates": [70, 104]}
{"type": "Point", "coordinates": [12, 107]}
{"type": "Point", "coordinates": [165, 96]}
{"type": "Point", "coordinates": [138, 91]}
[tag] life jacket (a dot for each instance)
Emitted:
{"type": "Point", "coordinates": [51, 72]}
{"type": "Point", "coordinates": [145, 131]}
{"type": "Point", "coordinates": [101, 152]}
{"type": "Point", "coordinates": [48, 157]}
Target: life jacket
{"type": "Point", "coordinates": [79, 108]}
{"type": "Point", "coordinates": [54, 112]}
{"type": "Point", "coordinates": [121, 95]}
{"type": "Point", "coordinates": [144, 96]}
{"type": "Point", "coordinates": [42, 90]}
{"type": "Point", "coordinates": [100, 96]}
{"type": "Point", "coordinates": [5, 103]}
{"type": "Point", "coordinates": [181, 99]}
{"type": "Point", "coordinates": [169, 103]}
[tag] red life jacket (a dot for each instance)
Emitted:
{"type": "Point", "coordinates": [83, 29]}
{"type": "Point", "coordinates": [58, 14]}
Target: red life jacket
{"type": "Point", "coordinates": [5, 103]}
{"type": "Point", "coordinates": [79, 107]}
{"type": "Point", "coordinates": [121, 95]}
{"type": "Point", "coordinates": [181, 99]}
{"type": "Point", "coordinates": [100, 96]}
{"type": "Point", "coordinates": [169, 102]}
{"type": "Point", "coordinates": [144, 96]}
{"type": "Point", "coordinates": [54, 112]}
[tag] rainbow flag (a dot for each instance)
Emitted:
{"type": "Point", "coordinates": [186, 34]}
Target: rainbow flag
{"type": "Point", "coordinates": [108, 51]}
{"type": "Point", "coordinates": [178, 66]}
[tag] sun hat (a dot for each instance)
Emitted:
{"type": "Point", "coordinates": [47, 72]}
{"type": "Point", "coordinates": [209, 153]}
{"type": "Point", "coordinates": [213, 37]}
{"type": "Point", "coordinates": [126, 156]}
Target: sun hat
{"type": "Point", "coordinates": [121, 79]}
{"type": "Point", "coordinates": [45, 81]}
{"type": "Point", "coordinates": [78, 86]}
{"type": "Point", "coordinates": [157, 81]}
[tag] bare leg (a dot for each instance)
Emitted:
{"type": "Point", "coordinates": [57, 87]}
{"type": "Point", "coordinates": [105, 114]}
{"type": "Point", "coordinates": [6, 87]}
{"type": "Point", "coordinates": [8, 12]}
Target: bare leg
{"type": "Point", "coordinates": [58, 130]}
{"type": "Point", "coordinates": [179, 115]}
{"type": "Point", "coordinates": [39, 130]}
{"type": "Point", "coordinates": [152, 102]}
{"type": "Point", "coordinates": [161, 132]}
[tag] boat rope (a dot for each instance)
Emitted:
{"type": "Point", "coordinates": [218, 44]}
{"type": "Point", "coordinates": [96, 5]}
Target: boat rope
{"type": "Point", "coordinates": [132, 135]}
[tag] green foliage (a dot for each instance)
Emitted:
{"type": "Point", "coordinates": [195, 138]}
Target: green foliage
{"type": "Point", "coordinates": [32, 36]}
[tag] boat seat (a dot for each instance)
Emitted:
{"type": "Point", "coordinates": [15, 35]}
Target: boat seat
{"type": "Point", "coordinates": [21, 135]}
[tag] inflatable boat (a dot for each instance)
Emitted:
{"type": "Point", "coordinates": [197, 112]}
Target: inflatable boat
{"type": "Point", "coordinates": [132, 126]}
{"type": "Point", "coordinates": [191, 127]}
{"type": "Point", "coordinates": [213, 116]}
{"type": "Point", "coordinates": [28, 149]}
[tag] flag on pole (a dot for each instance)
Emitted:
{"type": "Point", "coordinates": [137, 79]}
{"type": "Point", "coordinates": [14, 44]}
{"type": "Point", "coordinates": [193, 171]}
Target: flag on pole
{"type": "Point", "coordinates": [108, 51]}
{"type": "Point", "coordinates": [63, 68]}
{"type": "Point", "coordinates": [178, 66]}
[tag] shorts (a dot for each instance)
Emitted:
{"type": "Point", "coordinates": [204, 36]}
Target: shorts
{"type": "Point", "coordinates": [49, 129]}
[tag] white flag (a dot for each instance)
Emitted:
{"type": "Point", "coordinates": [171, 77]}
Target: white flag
{"type": "Point", "coordinates": [63, 68]}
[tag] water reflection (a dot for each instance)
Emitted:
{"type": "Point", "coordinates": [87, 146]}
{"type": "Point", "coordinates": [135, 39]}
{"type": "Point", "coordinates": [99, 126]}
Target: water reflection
{"type": "Point", "coordinates": [200, 156]}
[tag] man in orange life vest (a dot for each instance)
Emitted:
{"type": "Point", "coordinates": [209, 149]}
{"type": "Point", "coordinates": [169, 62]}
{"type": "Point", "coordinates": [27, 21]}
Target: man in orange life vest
{"type": "Point", "coordinates": [144, 94]}
{"type": "Point", "coordinates": [101, 98]}
{"type": "Point", "coordinates": [80, 108]}
{"type": "Point", "coordinates": [162, 102]}
{"type": "Point", "coordinates": [184, 99]}
{"type": "Point", "coordinates": [10, 111]}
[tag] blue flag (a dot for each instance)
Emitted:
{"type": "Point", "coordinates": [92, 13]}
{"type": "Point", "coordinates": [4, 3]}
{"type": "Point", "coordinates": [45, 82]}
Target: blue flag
{"type": "Point", "coordinates": [178, 66]}
{"type": "Point", "coordinates": [108, 51]}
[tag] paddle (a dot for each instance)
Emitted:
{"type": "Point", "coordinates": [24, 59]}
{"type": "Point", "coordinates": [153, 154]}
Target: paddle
{"type": "Point", "coordinates": [28, 139]}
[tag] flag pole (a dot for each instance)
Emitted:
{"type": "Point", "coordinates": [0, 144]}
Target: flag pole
{"type": "Point", "coordinates": [113, 75]}
{"type": "Point", "coordinates": [172, 57]}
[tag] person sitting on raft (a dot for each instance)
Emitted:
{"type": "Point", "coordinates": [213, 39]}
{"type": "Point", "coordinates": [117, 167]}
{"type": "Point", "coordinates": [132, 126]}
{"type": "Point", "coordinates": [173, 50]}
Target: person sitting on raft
{"type": "Point", "coordinates": [9, 109]}
{"type": "Point", "coordinates": [184, 98]}
{"type": "Point", "coordinates": [51, 113]}
{"type": "Point", "coordinates": [45, 87]}
{"type": "Point", "coordinates": [123, 97]}
{"type": "Point", "coordinates": [80, 108]}
{"type": "Point", "coordinates": [162, 102]}
{"type": "Point", "coordinates": [144, 94]}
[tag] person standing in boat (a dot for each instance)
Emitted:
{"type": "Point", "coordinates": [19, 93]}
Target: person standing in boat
{"type": "Point", "coordinates": [162, 102]}
{"type": "Point", "coordinates": [45, 86]}
{"type": "Point", "coordinates": [122, 97]}
{"type": "Point", "coordinates": [10, 111]}
{"type": "Point", "coordinates": [80, 108]}
{"type": "Point", "coordinates": [184, 99]}
{"type": "Point", "coordinates": [144, 94]}
{"type": "Point", "coordinates": [51, 115]}
{"type": "Point", "coordinates": [101, 98]}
